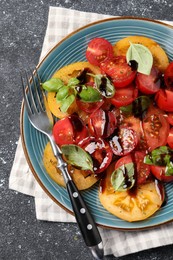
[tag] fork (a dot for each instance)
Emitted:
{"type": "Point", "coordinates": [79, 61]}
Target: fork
{"type": "Point", "coordinates": [41, 118]}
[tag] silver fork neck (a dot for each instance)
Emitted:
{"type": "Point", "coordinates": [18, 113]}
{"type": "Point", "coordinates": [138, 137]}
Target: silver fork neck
{"type": "Point", "coordinates": [61, 164]}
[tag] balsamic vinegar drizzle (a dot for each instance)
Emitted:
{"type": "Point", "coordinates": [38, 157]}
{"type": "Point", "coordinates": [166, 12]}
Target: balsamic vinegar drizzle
{"type": "Point", "coordinates": [133, 64]}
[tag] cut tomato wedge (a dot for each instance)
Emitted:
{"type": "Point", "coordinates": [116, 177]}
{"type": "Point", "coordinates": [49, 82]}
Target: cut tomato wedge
{"type": "Point", "coordinates": [156, 128]}
{"type": "Point", "coordinates": [69, 130]}
{"type": "Point", "coordinates": [100, 152]}
{"type": "Point", "coordinates": [168, 76]}
{"type": "Point", "coordinates": [149, 84]}
{"type": "Point", "coordinates": [102, 123]}
{"type": "Point", "coordinates": [124, 96]}
{"type": "Point", "coordinates": [164, 99]}
{"type": "Point", "coordinates": [99, 50]}
{"type": "Point", "coordinates": [142, 170]}
{"type": "Point", "coordinates": [89, 107]}
{"type": "Point", "coordinates": [123, 142]}
{"type": "Point", "coordinates": [119, 71]}
{"type": "Point", "coordinates": [159, 173]}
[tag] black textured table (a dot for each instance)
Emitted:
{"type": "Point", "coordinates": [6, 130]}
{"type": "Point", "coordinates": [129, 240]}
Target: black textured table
{"type": "Point", "coordinates": [23, 25]}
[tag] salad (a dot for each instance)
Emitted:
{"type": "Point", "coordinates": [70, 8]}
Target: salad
{"type": "Point", "coordinates": [115, 114]}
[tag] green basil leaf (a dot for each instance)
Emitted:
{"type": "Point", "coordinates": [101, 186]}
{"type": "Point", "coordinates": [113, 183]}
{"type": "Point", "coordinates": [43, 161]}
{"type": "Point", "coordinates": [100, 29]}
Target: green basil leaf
{"type": "Point", "coordinates": [89, 94]}
{"type": "Point", "coordinates": [169, 169]}
{"type": "Point", "coordinates": [62, 93]}
{"type": "Point", "coordinates": [161, 156]}
{"type": "Point", "coordinates": [76, 156]}
{"type": "Point", "coordinates": [142, 56]}
{"type": "Point", "coordinates": [104, 86]}
{"type": "Point", "coordinates": [73, 82]}
{"type": "Point", "coordinates": [137, 107]}
{"type": "Point", "coordinates": [123, 178]}
{"type": "Point", "coordinates": [66, 103]}
{"type": "Point", "coordinates": [53, 84]}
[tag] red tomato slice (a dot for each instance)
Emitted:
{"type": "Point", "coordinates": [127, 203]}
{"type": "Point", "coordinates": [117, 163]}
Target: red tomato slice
{"type": "Point", "coordinates": [123, 160]}
{"type": "Point", "coordinates": [159, 173]}
{"type": "Point", "coordinates": [170, 118]}
{"type": "Point", "coordinates": [100, 152]}
{"type": "Point", "coordinates": [124, 142]}
{"type": "Point", "coordinates": [156, 129]}
{"type": "Point", "coordinates": [119, 71]}
{"type": "Point", "coordinates": [89, 107]}
{"type": "Point", "coordinates": [149, 84]}
{"type": "Point", "coordinates": [124, 96]}
{"type": "Point", "coordinates": [164, 99]}
{"type": "Point", "coordinates": [134, 123]}
{"type": "Point", "coordinates": [102, 123]}
{"type": "Point", "coordinates": [69, 130]}
{"type": "Point", "coordinates": [168, 76]}
{"type": "Point", "coordinates": [142, 169]}
{"type": "Point", "coordinates": [170, 138]}
{"type": "Point", "coordinates": [99, 50]}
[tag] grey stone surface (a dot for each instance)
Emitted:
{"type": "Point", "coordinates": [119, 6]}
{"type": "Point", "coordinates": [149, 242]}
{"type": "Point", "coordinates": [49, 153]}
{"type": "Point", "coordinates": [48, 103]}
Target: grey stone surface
{"type": "Point", "coordinates": [22, 25]}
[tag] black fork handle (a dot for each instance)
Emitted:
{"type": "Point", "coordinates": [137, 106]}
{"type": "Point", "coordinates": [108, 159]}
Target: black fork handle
{"type": "Point", "coordinates": [84, 218]}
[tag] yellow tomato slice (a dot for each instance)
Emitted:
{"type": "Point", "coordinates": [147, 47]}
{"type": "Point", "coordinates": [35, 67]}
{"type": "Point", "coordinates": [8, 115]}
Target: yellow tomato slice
{"type": "Point", "coordinates": [66, 73]}
{"type": "Point", "coordinates": [82, 179]}
{"type": "Point", "coordinates": [160, 58]}
{"type": "Point", "coordinates": [127, 205]}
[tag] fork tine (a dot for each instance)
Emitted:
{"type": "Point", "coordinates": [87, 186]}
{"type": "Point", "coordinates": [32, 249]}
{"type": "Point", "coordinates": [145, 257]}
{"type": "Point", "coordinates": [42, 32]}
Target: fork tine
{"type": "Point", "coordinates": [42, 93]}
{"type": "Point", "coordinates": [38, 92]}
{"type": "Point", "coordinates": [28, 108]}
{"type": "Point", "coordinates": [32, 100]}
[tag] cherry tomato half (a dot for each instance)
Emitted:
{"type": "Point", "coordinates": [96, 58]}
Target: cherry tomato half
{"type": "Point", "coordinates": [164, 99]}
{"type": "Point", "coordinates": [149, 84]}
{"type": "Point", "coordinates": [102, 123]}
{"type": "Point", "coordinates": [119, 71]}
{"type": "Point", "coordinates": [69, 130]}
{"type": "Point", "coordinates": [168, 76]}
{"type": "Point", "coordinates": [159, 173]}
{"type": "Point", "coordinates": [156, 128]}
{"type": "Point", "coordinates": [124, 96]}
{"type": "Point", "coordinates": [124, 142]}
{"type": "Point", "coordinates": [100, 152]}
{"type": "Point", "coordinates": [99, 50]}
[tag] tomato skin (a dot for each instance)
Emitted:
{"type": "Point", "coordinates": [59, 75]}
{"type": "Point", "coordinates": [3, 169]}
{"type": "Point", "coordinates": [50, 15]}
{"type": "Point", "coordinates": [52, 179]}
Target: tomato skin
{"type": "Point", "coordinates": [124, 96]}
{"type": "Point", "coordinates": [69, 130]}
{"type": "Point", "coordinates": [170, 138]}
{"type": "Point", "coordinates": [149, 84]}
{"type": "Point", "coordinates": [89, 107]}
{"type": "Point", "coordinates": [159, 173]}
{"type": "Point", "coordinates": [99, 50]}
{"type": "Point", "coordinates": [168, 76]}
{"type": "Point", "coordinates": [119, 71]}
{"type": "Point", "coordinates": [164, 99]}
{"type": "Point", "coordinates": [142, 169]}
{"type": "Point", "coordinates": [102, 123]}
{"type": "Point", "coordinates": [170, 118]}
{"type": "Point", "coordinates": [123, 160]}
{"type": "Point", "coordinates": [100, 152]}
{"type": "Point", "coordinates": [156, 128]}
{"type": "Point", "coordinates": [124, 142]}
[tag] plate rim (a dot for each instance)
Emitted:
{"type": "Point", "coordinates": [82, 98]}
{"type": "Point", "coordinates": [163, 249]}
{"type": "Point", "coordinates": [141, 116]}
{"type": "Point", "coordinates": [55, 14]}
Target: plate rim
{"type": "Point", "coordinates": [23, 109]}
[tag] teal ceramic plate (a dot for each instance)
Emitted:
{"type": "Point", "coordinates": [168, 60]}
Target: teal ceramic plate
{"type": "Point", "coordinates": [72, 49]}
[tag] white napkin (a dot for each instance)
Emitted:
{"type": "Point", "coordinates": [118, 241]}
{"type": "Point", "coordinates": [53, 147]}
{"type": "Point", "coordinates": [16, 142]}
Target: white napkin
{"type": "Point", "coordinates": [61, 22]}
